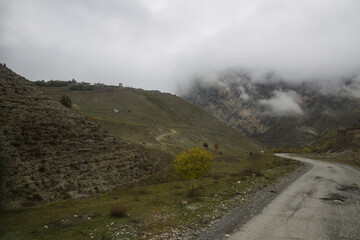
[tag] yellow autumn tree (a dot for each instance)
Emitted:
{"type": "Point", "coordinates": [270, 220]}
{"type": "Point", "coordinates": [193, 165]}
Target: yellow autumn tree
{"type": "Point", "coordinates": [193, 163]}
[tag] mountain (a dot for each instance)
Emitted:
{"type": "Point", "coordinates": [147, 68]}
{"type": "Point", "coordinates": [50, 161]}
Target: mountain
{"type": "Point", "coordinates": [49, 152]}
{"type": "Point", "coordinates": [348, 139]}
{"type": "Point", "coordinates": [111, 137]}
{"type": "Point", "coordinates": [276, 112]}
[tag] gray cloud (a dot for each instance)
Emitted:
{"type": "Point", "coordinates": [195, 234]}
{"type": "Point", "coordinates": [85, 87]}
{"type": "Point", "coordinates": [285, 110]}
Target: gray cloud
{"type": "Point", "coordinates": [163, 44]}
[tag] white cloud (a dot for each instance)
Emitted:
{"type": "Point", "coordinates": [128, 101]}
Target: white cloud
{"type": "Point", "coordinates": [283, 104]}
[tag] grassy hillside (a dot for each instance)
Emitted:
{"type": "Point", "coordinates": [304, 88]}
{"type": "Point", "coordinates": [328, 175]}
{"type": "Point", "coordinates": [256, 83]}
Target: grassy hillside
{"type": "Point", "coordinates": [156, 119]}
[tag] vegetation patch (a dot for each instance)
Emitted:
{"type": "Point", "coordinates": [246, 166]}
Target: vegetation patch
{"type": "Point", "coordinates": [192, 164]}
{"type": "Point", "coordinates": [66, 101]}
{"type": "Point", "coordinates": [164, 209]}
{"type": "Point", "coordinates": [118, 212]}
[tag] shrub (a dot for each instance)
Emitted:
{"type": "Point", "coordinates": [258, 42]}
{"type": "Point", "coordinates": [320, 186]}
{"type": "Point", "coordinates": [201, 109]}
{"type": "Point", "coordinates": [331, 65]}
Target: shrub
{"type": "Point", "coordinates": [66, 101]}
{"type": "Point", "coordinates": [81, 86]}
{"type": "Point", "coordinates": [205, 145]}
{"type": "Point", "coordinates": [216, 145]}
{"type": "Point", "coordinates": [277, 150]}
{"type": "Point", "coordinates": [54, 83]}
{"type": "Point", "coordinates": [193, 163]}
{"type": "Point", "coordinates": [306, 150]}
{"type": "Point", "coordinates": [118, 212]}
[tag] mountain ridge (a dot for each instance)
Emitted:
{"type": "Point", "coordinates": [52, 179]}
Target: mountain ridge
{"type": "Point", "coordinates": [276, 112]}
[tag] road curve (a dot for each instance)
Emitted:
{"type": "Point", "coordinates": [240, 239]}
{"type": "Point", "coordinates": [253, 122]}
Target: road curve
{"type": "Point", "coordinates": [172, 132]}
{"type": "Point", "coordinates": [324, 203]}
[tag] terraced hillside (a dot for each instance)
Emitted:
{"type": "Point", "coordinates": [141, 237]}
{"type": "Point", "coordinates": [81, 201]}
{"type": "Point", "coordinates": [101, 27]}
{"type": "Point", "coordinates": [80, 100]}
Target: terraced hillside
{"type": "Point", "coordinates": [48, 152]}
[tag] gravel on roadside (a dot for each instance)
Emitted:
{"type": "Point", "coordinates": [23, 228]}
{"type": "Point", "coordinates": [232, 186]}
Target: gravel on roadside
{"type": "Point", "coordinates": [253, 204]}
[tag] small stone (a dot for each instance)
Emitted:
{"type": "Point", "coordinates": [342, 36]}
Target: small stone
{"type": "Point", "coordinates": [184, 202]}
{"type": "Point", "coordinates": [227, 235]}
{"type": "Point", "coordinates": [46, 227]}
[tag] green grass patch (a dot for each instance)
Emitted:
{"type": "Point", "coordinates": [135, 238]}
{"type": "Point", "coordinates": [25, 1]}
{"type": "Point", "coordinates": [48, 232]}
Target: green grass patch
{"type": "Point", "coordinates": [147, 210]}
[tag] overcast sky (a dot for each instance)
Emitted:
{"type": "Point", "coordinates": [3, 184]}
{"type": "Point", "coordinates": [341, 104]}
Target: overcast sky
{"type": "Point", "coordinates": [159, 44]}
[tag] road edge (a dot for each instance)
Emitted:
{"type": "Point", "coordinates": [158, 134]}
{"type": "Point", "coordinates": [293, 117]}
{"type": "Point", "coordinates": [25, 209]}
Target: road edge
{"type": "Point", "coordinates": [253, 205]}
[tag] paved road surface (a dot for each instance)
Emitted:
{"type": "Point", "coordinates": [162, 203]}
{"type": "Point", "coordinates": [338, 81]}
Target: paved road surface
{"type": "Point", "coordinates": [324, 203]}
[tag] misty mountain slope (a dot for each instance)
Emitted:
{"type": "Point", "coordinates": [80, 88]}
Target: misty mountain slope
{"type": "Point", "coordinates": [48, 152]}
{"type": "Point", "coordinates": [141, 116]}
{"type": "Point", "coordinates": [276, 112]}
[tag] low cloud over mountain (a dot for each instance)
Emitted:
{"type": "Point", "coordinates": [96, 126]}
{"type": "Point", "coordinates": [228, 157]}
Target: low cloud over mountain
{"type": "Point", "coordinates": [277, 111]}
{"type": "Point", "coordinates": [163, 44]}
{"type": "Point", "coordinates": [283, 104]}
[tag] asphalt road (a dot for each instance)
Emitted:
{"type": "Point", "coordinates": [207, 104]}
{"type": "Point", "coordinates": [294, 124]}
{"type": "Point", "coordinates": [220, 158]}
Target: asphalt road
{"type": "Point", "coordinates": [324, 203]}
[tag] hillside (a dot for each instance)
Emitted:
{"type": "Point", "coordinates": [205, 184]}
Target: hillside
{"type": "Point", "coordinates": [157, 120]}
{"type": "Point", "coordinates": [48, 152]}
{"type": "Point", "coordinates": [275, 112]}
{"type": "Point", "coordinates": [62, 153]}
{"type": "Point", "coordinates": [348, 139]}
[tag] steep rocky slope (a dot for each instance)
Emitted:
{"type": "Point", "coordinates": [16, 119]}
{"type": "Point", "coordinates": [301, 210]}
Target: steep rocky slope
{"type": "Point", "coordinates": [276, 112]}
{"type": "Point", "coordinates": [48, 152]}
{"type": "Point", "coordinates": [348, 139]}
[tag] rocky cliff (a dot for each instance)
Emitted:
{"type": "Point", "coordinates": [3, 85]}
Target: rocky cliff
{"type": "Point", "coordinates": [276, 112]}
{"type": "Point", "coordinates": [49, 152]}
{"type": "Point", "coordinates": [348, 139]}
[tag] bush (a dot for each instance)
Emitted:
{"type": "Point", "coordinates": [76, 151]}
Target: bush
{"type": "Point", "coordinates": [277, 150]}
{"type": "Point", "coordinates": [82, 86]}
{"type": "Point", "coordinates": [193, 163]}
{"type": "Point", "coordinates": [55, 83]}
{"type": "Point", "coordinates": [216, 145]}
{"type": "Point", "coordinates": [66, 101]}
{"type": "Point", "coordinates": [118, 212]}
{"type": "Point", "coordinates": [306, 150]}
{"type": "Point", "coordinates": [205, 145]}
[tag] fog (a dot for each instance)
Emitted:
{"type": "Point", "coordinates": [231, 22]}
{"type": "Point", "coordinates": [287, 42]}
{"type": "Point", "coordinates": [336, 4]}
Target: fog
{"type": "Point", "coordinates": [283, 104]}
{"type": "Point", "coordinates": [164, 45]}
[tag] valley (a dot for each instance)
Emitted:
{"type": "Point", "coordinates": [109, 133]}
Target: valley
{"type": "Point", "coordinates": [100, 168]}
{"type": "Point", "coordinates": [179, 120]}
